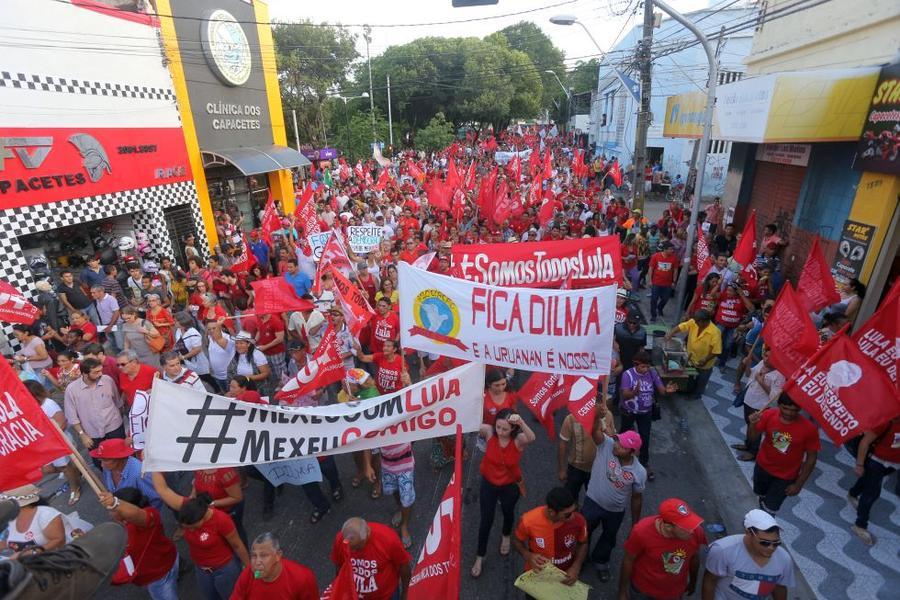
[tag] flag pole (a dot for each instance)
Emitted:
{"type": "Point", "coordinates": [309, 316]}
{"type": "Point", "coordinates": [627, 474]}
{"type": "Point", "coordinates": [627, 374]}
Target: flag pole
{"type": "Point", "coordinates": [82, 467]}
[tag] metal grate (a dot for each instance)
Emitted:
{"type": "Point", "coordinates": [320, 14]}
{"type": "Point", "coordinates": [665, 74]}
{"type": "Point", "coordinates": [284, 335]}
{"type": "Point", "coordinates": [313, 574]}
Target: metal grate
{"type": "Point", "coordinates": [180, 223]}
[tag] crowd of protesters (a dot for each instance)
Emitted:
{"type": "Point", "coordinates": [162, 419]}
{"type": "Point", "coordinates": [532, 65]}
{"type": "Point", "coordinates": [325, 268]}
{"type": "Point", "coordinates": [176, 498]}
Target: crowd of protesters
{"type": "Point", "coordinates": [118, 326]}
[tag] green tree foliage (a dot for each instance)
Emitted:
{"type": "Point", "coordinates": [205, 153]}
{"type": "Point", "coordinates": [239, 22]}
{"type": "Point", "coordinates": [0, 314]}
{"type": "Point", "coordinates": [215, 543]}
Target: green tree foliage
{"type": "Point", "coordinates": [351, 128]}
{"type": "Point", "coordinates": [528, 38]}
{"type": "Point", "coordinates": [437, 135]}
{"type": "Point", "coordinates": [584, 79]}
{"type": "Point", "coordinates": [311, 61]}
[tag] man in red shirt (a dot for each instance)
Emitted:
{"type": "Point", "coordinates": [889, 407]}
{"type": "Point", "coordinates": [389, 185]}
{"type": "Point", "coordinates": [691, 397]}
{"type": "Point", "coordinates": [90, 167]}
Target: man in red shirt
{"type": "Point", "coordinates": [385, 326]}
{"type": "Point", "coordinates": [786, 457]}
{"type": "Point", "coordinates": [270, 341]}
{"type": "Point", "coordinates": [730, 312]}
{"type": "Point", "coordinates": [662, 554]}
{"type": "Point", "coordinates": [411, 250]}
{"type": "Point", "coordinates": [379, 560]}
{"type": "Point", "coordinates": [270, 576]}
{"type": "Point", "coordinates": [133, 375]}
{"type": "Point", "coordinates": [554, 534]}
{"type": "Point", "coordinates": [391, 374]}
{"type": "Point", "coordinates": [663, 274]}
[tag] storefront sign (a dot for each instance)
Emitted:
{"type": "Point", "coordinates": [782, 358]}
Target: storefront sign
{"type": "Point", "coordinates": [364, 238]}
{"type": "Point", "coordinates": [589, 261]}
{"type": "Point", "coordinates": [226, 48]}
{"type": "Point", "coordinates": [551, 331]}
{"type": "Point", "coordinates": [684, 115]}
{"type": "Point", "coordinates": [784, 154]}
{"type": "Point", "coordinates": [852, 249]}
{"type": "Point", "coordinates": [47, 165]}
{"type": "Point", "coordinates": [879, 146]}
{"type": "Point", "coordinates": [235, 117]}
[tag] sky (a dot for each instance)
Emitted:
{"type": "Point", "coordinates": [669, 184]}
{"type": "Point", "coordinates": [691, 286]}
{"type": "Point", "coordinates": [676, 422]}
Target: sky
{"type": "Point", "coordinates": [603, 18]}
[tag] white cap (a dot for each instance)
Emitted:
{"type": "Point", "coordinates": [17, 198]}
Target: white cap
{"type": "Point", "coordinates": [759, 519]}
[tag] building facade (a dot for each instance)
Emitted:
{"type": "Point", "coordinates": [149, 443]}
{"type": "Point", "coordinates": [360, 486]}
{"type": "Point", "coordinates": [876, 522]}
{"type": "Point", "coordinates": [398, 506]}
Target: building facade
{"type": "Point", "coordinates": [679, 68]}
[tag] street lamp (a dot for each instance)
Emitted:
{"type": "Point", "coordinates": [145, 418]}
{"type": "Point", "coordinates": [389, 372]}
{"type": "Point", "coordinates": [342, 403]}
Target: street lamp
{"type": "Point", "coordinates": [573, 20]}
{"type": "Point", "coordinates": [565, 91]}
{"type": "Point", "coordinates": [347, 99]}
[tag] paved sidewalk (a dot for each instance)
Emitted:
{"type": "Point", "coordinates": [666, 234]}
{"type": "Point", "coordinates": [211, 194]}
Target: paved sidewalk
{"type": "Point", "coordinates": [817, 523]}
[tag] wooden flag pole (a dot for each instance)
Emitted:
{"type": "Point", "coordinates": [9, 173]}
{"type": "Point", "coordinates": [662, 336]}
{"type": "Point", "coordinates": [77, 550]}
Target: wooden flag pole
{"type": "Point", "coordinates": [82, 467]}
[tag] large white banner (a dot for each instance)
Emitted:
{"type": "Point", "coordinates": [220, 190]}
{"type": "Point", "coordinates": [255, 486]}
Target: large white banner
{"type": "Point", "coordinates": [554, 331]}
{"type": "Point", "coordinates": [195, 430]}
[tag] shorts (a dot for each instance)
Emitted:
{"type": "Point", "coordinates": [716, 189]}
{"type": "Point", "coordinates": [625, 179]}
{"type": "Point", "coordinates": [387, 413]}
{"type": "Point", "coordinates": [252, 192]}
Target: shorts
{"type": "Point", "coordinates": [401, 482]}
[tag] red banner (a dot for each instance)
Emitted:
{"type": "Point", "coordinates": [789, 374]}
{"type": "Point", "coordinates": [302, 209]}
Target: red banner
{"type": "Point", "coordinates": [816, 285]}
{"type": "Point", "coordinates": [325, 368]}
{"type": "Point", "coordinates": [843, 390]}
{"type": "Point", "coordinates": [14, 307]}
{"type": "Point", "coordinates": [593, 261]}
{"type": "Point", "coordinates": [354, 303]}
{"type": "Point", "coordinates": [745, 252]}
{"type": "Point", "coordinates": [38, 166]}
{"type": "Point", "coordinates": [877, 337]}
{"type": "Point", "coordinates": [246, 260]}
{"type": "Point", "coordinates": [703, 260]}
{"type": "Point", "coordinates": [276, 295]}
{"type": "Point", "coordinates": [437, 571]}
{"type": "Point", "coordinates": [28, 440]}
{"type": "Point", "coordinates": [270, 221]}
{"type": "Point", "coordinates": [789, 332]}
{"type": "Point", "coordinates": [305, 217]}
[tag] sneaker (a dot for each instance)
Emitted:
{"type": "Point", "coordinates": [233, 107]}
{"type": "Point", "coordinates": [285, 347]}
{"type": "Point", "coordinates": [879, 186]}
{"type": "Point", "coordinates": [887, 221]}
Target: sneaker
{"type": "Point", "coordinates": [854, 501]}
{"type": "Point", "coordinates": [78, 569]}
{"type": "Point", "coordinates": [863, 535]}
{"type": "Point", "coordinates": [602, 571]}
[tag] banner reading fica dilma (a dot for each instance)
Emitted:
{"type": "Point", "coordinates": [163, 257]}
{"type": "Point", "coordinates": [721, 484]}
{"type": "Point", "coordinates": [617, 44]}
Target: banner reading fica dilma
{"type": "Point", "coordinates": [188, 429]}
{"type": "Point", "coordinates": [554, 331]}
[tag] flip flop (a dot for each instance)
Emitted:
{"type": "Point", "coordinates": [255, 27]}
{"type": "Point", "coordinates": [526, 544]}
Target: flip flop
{"type": "Point", "coordinates": [476, 570]}
{"type": "Point", "coordinates": [504, 546]}
{"type": "Point", "coordinates": [407, 542]}
{"type": "Point", "coordinates": [354, 483]}
{"type": "Point", "coordinates": [746, 457]}
{"type": "Point", "coordinates": [376, 493]}
{"type": "Point", "coordinates": [396, 520]}
{"type": "Point", "coordinates": [74, 497]}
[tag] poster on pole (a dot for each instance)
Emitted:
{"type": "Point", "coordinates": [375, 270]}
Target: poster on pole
{"type": "Point", "coordinates": [317, 243]}
{"type": "Point", "coordinates": [552, 331]}
{"type": "Point", "coordinates": [853, 247]}
{"type": "Point", "coordinates": [364, 238]}
{"type": "Point", "coordinates": [190, 429]}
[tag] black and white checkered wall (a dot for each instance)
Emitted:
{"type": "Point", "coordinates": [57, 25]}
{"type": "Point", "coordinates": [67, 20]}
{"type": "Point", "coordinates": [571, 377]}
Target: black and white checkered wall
{"type": "Point", "coordinates": [50, 83]}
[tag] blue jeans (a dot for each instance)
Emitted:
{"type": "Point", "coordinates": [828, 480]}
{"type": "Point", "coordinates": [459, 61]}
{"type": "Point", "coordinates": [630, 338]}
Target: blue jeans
{"type": "Point", "coordinates": [610, 521]}
{"type": "Point", "coordinates": [166, 587]}
{"type": "Point", "coordinates": [727, 339]}
{"type": "Point", "coordinates": [217, 584]}
{"type": "Point", "coordinates": [659, 296]}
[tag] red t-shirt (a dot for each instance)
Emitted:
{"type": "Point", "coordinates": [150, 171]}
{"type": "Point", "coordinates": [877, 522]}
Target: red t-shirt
{"type": "Point", "coordinates": [295, 582]}
{"type": "Point", "coordinates": [410, 256]}
{"type": "Point", "coordinates": [629, 257]}
{"type": "Point", "coordinates": [207, 543]}
{"type": "Point", "coordinates": [389, 371]}
{"type": "Point", "coordinates": [215, 483]}
{"type": "Point", "coordinates": [663, 269]}
{"type": "Point", "coordinates": [782, 451]}
{"type": "Point", "coordinates": [251, 396]}
{"type": "Point", "coordinates": [143, 381]}
{"type": "Point", "coordinates": [662, 564]}
{"type": "Point", "coordinates": [376, 568]}
{"type": "Point", "coordinates": [500, 466]}
{"type": "Point", "coordinates": [383, 328]}
{"type": "Point", "coordinates": [730, 312]}
{"type": "Point", "coordinates": [151, 551]}
{"type": "Point", "coordinates": [489, 408]}
{"type": "Point", "coordinates": [88, 331]}
{"type": "Point", "coordinates": [369, 287]}
{"type": "Point", "coordinates": [267, 331]}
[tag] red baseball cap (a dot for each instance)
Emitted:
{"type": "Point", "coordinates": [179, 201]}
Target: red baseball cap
{"type": "Point", "coordinates": [678, 513]}
{"type": "Point", "coordinates": [112, 448]}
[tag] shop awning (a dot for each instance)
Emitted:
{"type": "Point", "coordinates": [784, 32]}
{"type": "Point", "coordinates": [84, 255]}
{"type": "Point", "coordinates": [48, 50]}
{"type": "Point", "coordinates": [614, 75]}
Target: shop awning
{"type": "Point", "coordinates": [252, 160]}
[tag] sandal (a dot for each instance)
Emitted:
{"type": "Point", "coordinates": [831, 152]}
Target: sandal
{"type": "Point", "coordinates": [476, 569]}
{"type": "Point", "coordinates": [376, 493]}
{"type": "Point", "coordinates": [746, 457]}
{"type": "Point", "coordinates": [650, 475]}
{"type": "Point", "coordinates": [742, 447]}
{"type": "Point", "coordinates": [317, 515]}
{"type": "Point", "coordinates": [354, 483]}
{"type": "Point", "coordinates": [74, 497]}
{"type": "Point", "coordinates": [396, 520]}
{"type": "Point", "coordinates": [337, 494]}
{"type": "Point", "coordinates": [504, 546]}
{"type": "Point", "coordinates": [407, 542]}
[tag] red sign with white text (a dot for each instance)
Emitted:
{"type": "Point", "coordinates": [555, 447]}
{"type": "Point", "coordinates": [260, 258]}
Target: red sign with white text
{"type": "Point", "coordinates": [591, 261]}
{"type": "Point", "coordinates": [38, 166]}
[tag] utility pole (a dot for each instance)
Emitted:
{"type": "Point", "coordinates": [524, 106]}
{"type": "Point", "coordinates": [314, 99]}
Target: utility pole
{"type": "Point", "coordinates": [367, 35]}
{"type": "Point", "coordinates": [296, 135]}
{"type": "Point", "coordinates": [643, 117]}
{"type": "Point", "coordinates": [390, 120]}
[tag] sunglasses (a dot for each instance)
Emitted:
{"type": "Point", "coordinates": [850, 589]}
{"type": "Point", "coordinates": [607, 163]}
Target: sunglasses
{"type": "Point", "coordinates": [766, 543]}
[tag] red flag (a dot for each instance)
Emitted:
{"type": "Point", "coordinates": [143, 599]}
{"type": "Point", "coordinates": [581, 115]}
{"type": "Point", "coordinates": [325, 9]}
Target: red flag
{"type": "Point", "coordinates": [615, 173]}
{"type": "Point", "coordinates": [344, 586]}
{"type": "Point", "coordinates": [333, 255]}
{"type": "Point", "coordinates": [459, 205]}
{"type": "Point", "coordinates": [470, 177]}
{"type": "Point", "coordinates": [704, 262]}
{"type": "Point", "coordinates": [487, 193]}
{"type": "Point", "coordinates": [414, 171]}
{"type": "Point", "coordinates": [359, 171]}
{"type": "Point", "coordinates": [543, 395]}
{"type": "Point", "coordinates": [816, 285]}
{"type": "Point", "coordinates": [15, 308]}
{"type": "Point", "coordinates": [344, 171]}
{"type": "Point", "coordinates": [325, 368]}
{"type": "Point", "coordinates": [501, 205]}
{"type": "Point", "coordinates": [843, 390]}
{"type": "Point", "coordinates": [437, 571]}
{"type": "Point", "coordinates": [877, 337]}
{"type": "Point", "coordinates": [355, 305]}
{"type": "Point", "coordinates": [548, 164]}
{"type": "Point", "coordinates": [305, 214]}
{"type": "Point", "coordinates": [547, 210]}
{"type": "Point", "coordinates": [246, 260]}
{"type": "Point", "coordinates": [276, 295]}
{"type": "Point", "coordinates": [581, 399]}
{"type": "Point", "coordinates": [789, 332]}
{"type": "Point", "coordinates": [453, 178]}
{"type": "Point", "coordinates": [28, 440]}
{"type": "Point", "coordinates": [514, 169]}
{"type": "Point", "coordinates": [383, 180]}
{"type": "Point", "coordinates": [745, 253]}
{"type": "Point", "coordinates": [439, 194]}
{"type": "Point", "coordinates": [534, 193]}
{"type": "Point", "coordinates": [534, 163]}
{"type": "Point", "coordinates": [516, 206]}
{"type": "Point", "coordinates": [270, 221]}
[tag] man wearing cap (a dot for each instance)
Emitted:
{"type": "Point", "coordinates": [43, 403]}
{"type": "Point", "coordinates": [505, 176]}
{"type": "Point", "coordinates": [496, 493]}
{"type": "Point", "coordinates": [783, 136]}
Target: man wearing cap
{"type": "Point", "coordinates": [630, 337]}
{"type": "Point", "coordinates": [121, 470]}
{"type": "Point", "coordinates": [752, 565]}
{"type": "Point", "coordinates": [662, 558]}
{"type": "Point", "coordinates": [617, 478]}
{"type": "Point", "coordinates": [704, 345]}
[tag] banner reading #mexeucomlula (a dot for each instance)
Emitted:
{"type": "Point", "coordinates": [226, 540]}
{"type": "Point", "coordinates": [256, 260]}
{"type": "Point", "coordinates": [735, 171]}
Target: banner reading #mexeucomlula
{"type": "Point", "coordinates": [195, 430]}
{"type": "Point", "coordinates": [554, 331]}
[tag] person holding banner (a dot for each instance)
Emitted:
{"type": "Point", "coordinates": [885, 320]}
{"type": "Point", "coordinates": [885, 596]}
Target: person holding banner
{"type": "Point", "coordinates": [251, 363]}
{"type": "Point", "coordinates": [501, 479]}
{"type": "Point", "coordinates": [215, 547]}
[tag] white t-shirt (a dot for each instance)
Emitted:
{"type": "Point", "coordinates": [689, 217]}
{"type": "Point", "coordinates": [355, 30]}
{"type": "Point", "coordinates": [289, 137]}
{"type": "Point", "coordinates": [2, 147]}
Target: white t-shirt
{"type": "Point", "coordinates": [325, 301]}
{"type": "Point", "coordinates": [302, 326]}
{"type": "Point", "coordinates": [741, 578]}
{"type": "Point", "coordinates": [245, 368]}
{"type": "Point", "coordinates": [34, 535]}
{"type": "Point", "coordinates": [198, 363]}
{"type": "Point", "coordinates": [220, 357]}
{"type": "Point", "coordinates": [51, 408]}
{"type": "Point", "coordinates": [137, 418]}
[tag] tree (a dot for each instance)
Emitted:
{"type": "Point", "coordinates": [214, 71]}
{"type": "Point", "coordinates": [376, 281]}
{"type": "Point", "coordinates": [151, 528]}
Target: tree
{"type": "Point", "coordinates": [352, 130]}
{"type": "Point", "coordinates": [437, 135]}
{"type": "Point", "coordinates": [584, 79]}
{"type": "Point", "coordinates": [528, 38]}
{"type": "Point", "coordinates": [311, 60]}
